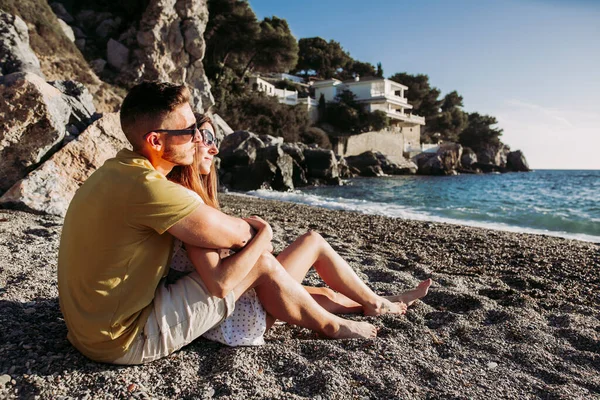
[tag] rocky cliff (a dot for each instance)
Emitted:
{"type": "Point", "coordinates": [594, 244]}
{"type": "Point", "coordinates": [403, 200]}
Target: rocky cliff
{"type": "Point", "coordinates": [50, 94]}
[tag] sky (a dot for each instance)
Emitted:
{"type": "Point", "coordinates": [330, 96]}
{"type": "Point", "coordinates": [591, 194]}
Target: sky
{"type": "Point", "coordinates": [532, 64]}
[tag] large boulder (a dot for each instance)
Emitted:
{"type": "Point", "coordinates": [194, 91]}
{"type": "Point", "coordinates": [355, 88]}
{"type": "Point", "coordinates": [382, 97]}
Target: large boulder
{"type": "Point", "coordinates": [169, 46]}
{"type": "Point", "coordinates": [51, 187]}
{"type": "Point", "coordinates": [79, 99]}
{"type": "Point", "coordinates": [35, 116]}
{"type": "Point", "coordinates": [15, 53]}
{"type": "Point", "coordinates": [372, 163]}
{"type": "Point", "coordinates": [444, 162]}
{"type": "Point", "coordinates": [117, 54]}
{"type": "Point", "coordinates": [468, 158]}
{"type": "Point", "coordinates": [516, 162]}
{"type": "Point", "coordinates": [492, 156]}
{"type": "Point", "coordinates": [239, 149]}
{"type": "Point", "coordinates": [321, 164]}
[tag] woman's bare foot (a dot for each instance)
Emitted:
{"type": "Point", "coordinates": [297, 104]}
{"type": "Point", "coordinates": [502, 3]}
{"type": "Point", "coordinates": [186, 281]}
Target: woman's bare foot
{"type": "Point", "coordinates": [354, 330]}
{"type": "Point", "coordinates": [385, 306]}
{"type": "Point", "coordinates": [413, 295]}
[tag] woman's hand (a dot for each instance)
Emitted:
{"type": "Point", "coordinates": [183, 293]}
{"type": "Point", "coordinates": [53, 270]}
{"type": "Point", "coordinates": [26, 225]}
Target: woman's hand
{"type": "Point", "coordinates": [260, 224]}
{"type": "Point", "coordinates": [263, 227]}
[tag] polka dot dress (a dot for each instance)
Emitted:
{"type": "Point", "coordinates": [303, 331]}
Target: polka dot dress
{"type": "Point", "coordinates": [247, 324]}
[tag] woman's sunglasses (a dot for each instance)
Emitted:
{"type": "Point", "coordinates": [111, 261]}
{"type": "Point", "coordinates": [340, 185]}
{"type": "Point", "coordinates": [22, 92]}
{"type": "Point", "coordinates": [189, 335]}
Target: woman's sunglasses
{"type": "Point", "coordinates": [208, 138]}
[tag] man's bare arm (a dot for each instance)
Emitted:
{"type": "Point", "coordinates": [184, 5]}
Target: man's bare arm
{"type": "Point", "coordinates": [222, 276]}
{"type": "Point", "coordinates": [210, 228]}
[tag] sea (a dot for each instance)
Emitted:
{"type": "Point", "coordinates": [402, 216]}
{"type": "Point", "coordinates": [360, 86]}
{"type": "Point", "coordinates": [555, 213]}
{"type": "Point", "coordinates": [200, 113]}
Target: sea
{"type": "Point", "coordinates": [564, 203]}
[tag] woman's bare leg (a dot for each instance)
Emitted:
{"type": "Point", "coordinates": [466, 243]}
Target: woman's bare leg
{"type": "Point", "coordinates": [286, 299]}
{"type": "Point", "coordinates": [354, 295]}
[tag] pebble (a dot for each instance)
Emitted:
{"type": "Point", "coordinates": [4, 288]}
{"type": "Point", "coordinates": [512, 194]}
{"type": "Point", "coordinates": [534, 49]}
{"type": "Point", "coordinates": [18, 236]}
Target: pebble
{"type": "Point", "coordinates": [4, 379]}
{"type": "Point", "coordinates": [492, 365]}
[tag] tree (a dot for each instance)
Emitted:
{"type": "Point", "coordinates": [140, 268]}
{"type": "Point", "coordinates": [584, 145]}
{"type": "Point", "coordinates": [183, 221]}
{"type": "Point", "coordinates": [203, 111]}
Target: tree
{"type": "Point", "coordinates": [318, 57]}
{"type": "Point", "coordinates": [231, 32]}
{"type": "Point", "coordinates": [452, 100]}
{"type": "Point", "coordinates": [449, 124]}
{"type": "Point", "coordinates": [479, 132]}
{"type": "Point", "coordinates": [420, 94]}
{"type": "Point", "coordinates": [275, 50]}
{"type": "Point", "coordinates": [356, 68]}
{"type": "Point", "coordinates": [379, 72]}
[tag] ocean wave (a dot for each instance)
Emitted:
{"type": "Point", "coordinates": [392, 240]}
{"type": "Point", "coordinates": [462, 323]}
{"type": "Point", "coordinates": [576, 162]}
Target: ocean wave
{"type": "Point", "coordinates": [398, 211]}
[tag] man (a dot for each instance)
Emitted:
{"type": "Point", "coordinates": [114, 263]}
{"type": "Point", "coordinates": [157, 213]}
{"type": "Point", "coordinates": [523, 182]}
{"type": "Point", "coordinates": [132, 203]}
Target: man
{"type": "Point", "coordinates": [117, 239]}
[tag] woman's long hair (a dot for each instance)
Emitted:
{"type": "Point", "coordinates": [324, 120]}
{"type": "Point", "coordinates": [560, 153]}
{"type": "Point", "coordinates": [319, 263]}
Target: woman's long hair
{"type": "Point", "coordinates": [190, 177]}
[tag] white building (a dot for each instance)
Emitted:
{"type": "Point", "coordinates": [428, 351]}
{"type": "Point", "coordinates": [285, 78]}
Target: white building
{"type": "Point", "coordinates": [383, 95]}
{"type": "Point", "coordinates": [289, 97]}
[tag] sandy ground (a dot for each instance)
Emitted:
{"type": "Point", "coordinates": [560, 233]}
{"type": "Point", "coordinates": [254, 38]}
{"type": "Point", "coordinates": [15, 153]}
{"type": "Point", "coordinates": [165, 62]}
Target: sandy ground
{"type": "Point", "coordinates": [508, 316]}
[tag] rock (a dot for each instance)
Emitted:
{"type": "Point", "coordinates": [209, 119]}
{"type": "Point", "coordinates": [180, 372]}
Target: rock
{"type": "Point", "coordinates": [516, 161]}
{"type": "Point", "coordinates": [321, 164]}
{"type": "Point", "coordinates": [80, 44]}
{"type": "Point", "coordinates": [444, 162]}
{"type": "Point", "coordinates": [269, 140]}
{"type": "Point", "coordinates": [295, 150]}
{"type": "Point", "coordinates": [298, 175]}
{"type": "Point", "coordinates": [67, 30]}
{"type": "Point", "coordinates": [117, 54]}
{"type": "Point", "coordinates": [170, 47]}
{"type": "Point", "coordinates": [492, 156]}
{"type": "Point", "coordinates": [344, 169]}
{"type": "Point", "coordinates": [239, 148]}
{"type": "Point", "coordinates": [79, 34]}
{"type": "Point", "coordinates": [98, 65]}
{"type": "Point", "coordinates": [222, 126]}
{"type": "Point", "coordinates": [108, 27]}
{"type": "Point", "coordinates": [468, 158]}
{"type": "Point", "coordinates": [363, 160]}
{"type": "Point", "coordinates": [79, 100]}
{"type": "Point", "coordinates": [283, 179]}
{"type": "Point", "coordinates": [4, 380]}
{"type": "Point", "coordinates": [372, 163]}
{"type": "Point", "coordinates": [61, 12]}
{"type": "Point", "coordinates": [35, 118]}
{"type": "Point", "coordinates": [15, 53]}
{"type": "Point", "coordinates": [51, 187]}
{"type": "Point", "coordinates": [492, 365]}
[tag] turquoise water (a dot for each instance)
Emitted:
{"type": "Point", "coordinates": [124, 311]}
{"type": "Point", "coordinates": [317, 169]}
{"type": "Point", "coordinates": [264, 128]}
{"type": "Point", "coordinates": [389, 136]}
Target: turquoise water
{"type": "Point", "coordinates": [555, 202]}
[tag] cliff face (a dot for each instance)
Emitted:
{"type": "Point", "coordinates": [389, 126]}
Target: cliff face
{"type": "Point", "coordinates": [50, 92]}
{"type": "Point", "coordinates": [111, 48]}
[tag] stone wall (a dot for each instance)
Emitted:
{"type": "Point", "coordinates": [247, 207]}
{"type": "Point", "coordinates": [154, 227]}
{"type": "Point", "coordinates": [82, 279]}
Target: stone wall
{"type": "Point", "coordinates": [391, 142]}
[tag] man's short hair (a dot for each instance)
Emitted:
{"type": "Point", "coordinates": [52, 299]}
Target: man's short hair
{"type": "Point", "coordinates": [150, 100]}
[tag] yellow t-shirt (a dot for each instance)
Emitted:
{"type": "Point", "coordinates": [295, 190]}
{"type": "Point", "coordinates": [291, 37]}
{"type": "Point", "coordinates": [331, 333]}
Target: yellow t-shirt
{"type": "Point", "coordinates": [114, 251]}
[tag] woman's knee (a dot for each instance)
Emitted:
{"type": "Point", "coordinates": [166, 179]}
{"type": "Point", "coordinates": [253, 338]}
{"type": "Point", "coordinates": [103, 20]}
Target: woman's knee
{"type": "Point", "coordinates": [267, 264]}
{"type": "Point", "coordinates": [315, 238]}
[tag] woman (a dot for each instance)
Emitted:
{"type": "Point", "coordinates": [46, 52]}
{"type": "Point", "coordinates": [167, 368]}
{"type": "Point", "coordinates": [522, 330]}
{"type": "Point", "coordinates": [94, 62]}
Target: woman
{"type": "Point", "coordinates": [246, 326]}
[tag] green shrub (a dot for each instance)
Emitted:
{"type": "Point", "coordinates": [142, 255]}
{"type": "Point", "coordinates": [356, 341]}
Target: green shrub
{"type": "Point", "coordinates": [317, 136]}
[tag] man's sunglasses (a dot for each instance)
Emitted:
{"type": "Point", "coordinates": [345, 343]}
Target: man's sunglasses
{"type": "Point", "coordinates": [207, 136]}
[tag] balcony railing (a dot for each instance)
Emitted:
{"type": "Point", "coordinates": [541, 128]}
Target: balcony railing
{"type": "Point", "coordinates": [388, 95]}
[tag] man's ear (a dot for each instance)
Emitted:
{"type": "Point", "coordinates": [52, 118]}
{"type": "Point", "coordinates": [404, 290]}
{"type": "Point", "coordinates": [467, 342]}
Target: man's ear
{"type": "Point", "coordinates": [155, 141]}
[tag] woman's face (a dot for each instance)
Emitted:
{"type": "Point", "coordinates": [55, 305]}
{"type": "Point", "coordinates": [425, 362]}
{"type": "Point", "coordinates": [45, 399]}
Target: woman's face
{"type": "Point", "coordinates": [206, 153]}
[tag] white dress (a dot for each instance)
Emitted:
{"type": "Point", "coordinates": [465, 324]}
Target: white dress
{"type": "Point", "coordinates": [247, 324]}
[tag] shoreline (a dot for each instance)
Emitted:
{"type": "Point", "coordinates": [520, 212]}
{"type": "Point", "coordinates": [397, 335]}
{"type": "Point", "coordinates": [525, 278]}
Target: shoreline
{"type": "Point", "coordinates": [508, 316]}
{"type": "Point", "coordinates": [412, 216]}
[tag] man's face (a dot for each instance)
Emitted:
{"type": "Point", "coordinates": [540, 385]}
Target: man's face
{"type": "Point", "coordinates": [179, 150]}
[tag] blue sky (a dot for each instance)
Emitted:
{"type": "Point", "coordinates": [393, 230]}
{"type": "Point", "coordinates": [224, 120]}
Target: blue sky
{"type": "Point", "coordinates": [533, 64]}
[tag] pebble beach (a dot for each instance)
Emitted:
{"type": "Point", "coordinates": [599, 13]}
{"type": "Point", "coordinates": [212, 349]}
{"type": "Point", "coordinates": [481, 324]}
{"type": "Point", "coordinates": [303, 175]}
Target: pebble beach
{"type": "Point", "coordinates": [508, 316]}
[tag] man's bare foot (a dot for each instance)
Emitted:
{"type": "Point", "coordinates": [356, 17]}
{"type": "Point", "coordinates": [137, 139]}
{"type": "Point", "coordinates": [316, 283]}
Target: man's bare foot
{"type": "Point", "coordinates": [354, 330]}
{"type": "Point", "coordinates": [413, 295]}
